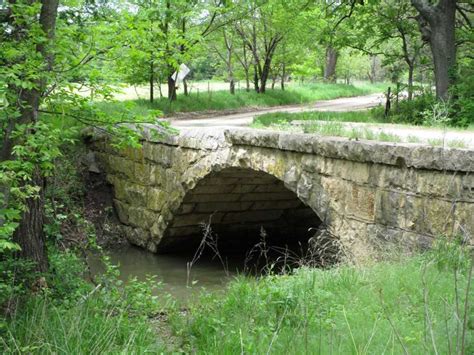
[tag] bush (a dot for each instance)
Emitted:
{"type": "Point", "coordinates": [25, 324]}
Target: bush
{"type": "Point", "coordinates": [75, 317]}
{"type": "Point", "coordinates": [411, 112]}
{"type": "Point", "coordinates": [463, 92]}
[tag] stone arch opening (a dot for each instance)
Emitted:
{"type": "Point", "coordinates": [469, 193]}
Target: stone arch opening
{"type": "Point", "coordinates": [241, 204]}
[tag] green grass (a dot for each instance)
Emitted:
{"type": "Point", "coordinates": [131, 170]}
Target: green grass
{"type": "Point", "coordinates": [411, 304]}
{"type": "Point", "coordinates": [389, 307]}
{"type": "Point", "coordinates": [72, 316]}
{"type": "Point", "coordinates": [88, 327]}
{"type": "Point", "coordinates": [223, 100]}
{"type": "Point", "coordinates": [337, 129]}
{"type": "Point", "coordinates": [269, 119]}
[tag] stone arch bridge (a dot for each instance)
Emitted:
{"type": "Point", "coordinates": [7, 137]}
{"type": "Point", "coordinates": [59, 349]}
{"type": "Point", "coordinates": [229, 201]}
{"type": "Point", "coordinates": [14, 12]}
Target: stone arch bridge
{"type": "Point", "coordinates": [366, 193]}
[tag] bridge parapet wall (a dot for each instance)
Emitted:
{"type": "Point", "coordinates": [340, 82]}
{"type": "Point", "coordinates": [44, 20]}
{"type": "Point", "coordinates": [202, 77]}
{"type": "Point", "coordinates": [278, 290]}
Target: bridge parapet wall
{"type": "Point", "coordinates": [367, 193]}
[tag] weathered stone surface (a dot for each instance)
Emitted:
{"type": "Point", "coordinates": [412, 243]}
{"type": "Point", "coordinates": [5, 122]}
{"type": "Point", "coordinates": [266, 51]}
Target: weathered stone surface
{"type": "Point", "coordinates": [156, 199]}
{"type": "Point", "coordinates": [365, 192]}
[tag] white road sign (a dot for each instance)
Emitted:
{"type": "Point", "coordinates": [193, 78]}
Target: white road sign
{"type": "Point", "coordinates": [180, 74]}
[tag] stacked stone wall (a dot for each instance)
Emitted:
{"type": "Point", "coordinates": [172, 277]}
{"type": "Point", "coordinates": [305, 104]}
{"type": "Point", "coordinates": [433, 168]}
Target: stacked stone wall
{"type": "Point", "coordinates": [365, 192]}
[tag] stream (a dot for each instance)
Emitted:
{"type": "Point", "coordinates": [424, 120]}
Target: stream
{"type": "Point", "coordinates": [170, 270]}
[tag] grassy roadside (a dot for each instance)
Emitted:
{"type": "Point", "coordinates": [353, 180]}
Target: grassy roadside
{"type": "Point", "coordinates": [282, 118]}
{"type": "Point", "coordinates": [414, 306]}
{"type": "Point", "coordinates": [419, 304]}
{"type": "Point", "coordinates": [223, 100]}
{"type": "Point", "coordinates": [333, 124]}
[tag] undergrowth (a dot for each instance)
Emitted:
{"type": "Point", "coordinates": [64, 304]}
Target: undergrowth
{"type": "Point", "coordinates": [417, 305]}
{"type": "Point", "coordinates": [73, 316]}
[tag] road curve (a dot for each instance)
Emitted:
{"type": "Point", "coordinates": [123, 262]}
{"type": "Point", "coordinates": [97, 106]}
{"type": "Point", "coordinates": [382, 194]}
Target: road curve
{"type": "Point", "coordinates": [245, 118]}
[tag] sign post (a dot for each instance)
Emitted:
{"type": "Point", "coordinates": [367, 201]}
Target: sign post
{"type": "Point", "coordinates": [180, 74]}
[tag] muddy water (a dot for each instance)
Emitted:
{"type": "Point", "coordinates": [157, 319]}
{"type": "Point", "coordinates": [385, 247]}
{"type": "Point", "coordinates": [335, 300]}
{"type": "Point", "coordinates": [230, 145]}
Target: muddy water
{"type": "Point", "coordinates": [172, 271]}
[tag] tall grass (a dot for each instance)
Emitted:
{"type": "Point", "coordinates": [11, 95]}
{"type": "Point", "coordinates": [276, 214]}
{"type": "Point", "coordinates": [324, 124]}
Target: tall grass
{"type": "Point", "coordinates": [75, 317]}
{"type": "Point", "coordinates": [269, 119]}
{"type": "Point", "coordinates": [87, 327]}
{"type": "Point", "coordinates": [417, 306]}
{"type": "Point", "coordinates": [223, 100]}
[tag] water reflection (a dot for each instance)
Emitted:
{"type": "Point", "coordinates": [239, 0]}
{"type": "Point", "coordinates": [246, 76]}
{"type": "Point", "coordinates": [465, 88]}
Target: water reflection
{"type": "Point", "coordinates": [171, 270]}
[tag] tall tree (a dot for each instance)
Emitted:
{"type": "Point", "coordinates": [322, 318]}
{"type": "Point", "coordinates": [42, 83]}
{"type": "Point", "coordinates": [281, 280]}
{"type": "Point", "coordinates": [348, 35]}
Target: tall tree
{"type": "Point", "coordinates": [388, 29]}
{"type": "Point", "coordinates": [31, 34]}
{"type": "Point", "coordinates": [437, 25]}
{"type": "Point", "coordinates": [226, 54]}
{"type": "Point", "coordinates": [331, 62]}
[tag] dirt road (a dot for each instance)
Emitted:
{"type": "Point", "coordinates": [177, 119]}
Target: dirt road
{"type": "Point", "coordinates": [434, 136]}
{"type": "Point", "coordinates": [245, 118]}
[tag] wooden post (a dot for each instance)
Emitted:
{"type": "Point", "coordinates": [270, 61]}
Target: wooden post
{"type": "Point", "coordinates": [387, 103]}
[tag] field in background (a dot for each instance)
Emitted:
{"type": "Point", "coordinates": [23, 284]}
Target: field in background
{"type": "Point", "coordinates": [141, 92]}
{"type": "Point", "coordinates": [222, 100]}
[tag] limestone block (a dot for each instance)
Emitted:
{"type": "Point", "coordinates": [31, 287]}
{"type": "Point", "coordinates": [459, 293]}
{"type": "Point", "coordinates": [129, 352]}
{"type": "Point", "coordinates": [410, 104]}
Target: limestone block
{"type": "Point", "coordinates": [213, 189]}
{"type": "Point", "coordinates": [291, 178]}
{"type": "Point", "coordinates": [442, 184]}
{"type": "Point", "coordinates": [304, 186]}
{"type": "Point", "coordinates": [141, 173]}
{"type": "Point", "coordinates": [400, 210]}
{"type": "Point", "coordinates": [464, 220]}
{"type": "Point", "coordinates": [268, 196]}
{"type": "Point", "coordinates": [439, 217]}
{"type": "Point", "coordinates": [312, 163]}
{"type": "Point", "coordinates": [222, 206]}
{"type": "Point", "coordinates": [347, 170]}
{"type": "Point", "coordinates": [388, 205]}
{"type": "Point", "coordinates": [221, 180]}
{"type": "Point", "coordinates": [335, 190]}
{"type": "Point", "coordinates": [388, 177]}
{"type": "Point", "coordinates": [467, 187]}
{"type": "Point", "coordinates": [186, 208]}
{"type": "Point", "coordinates": [121, 165]}
{"type": "Point", "coordinates": [275, 187]}
{"type": "Point", "coordinates": [361, 203]}
{"type": "Point", "coordinates": [157, 175]}
{"type": "Point", "coordinates": [252, 216]}
{"type": "Point", "coordinates": [274, 205]}
{"type": "Point", "coordinates": [122, 211]}
{"type": "Point", "coordinates": [134, 154]}
{"type": "Point", "coordinates": [135, 194]}
{"type": "Point", "coordinates": [156, 199]}
{"type": "Point", "coordinates": [136, 236]}
{"type": "Point", "coordinates": [158, 228]}
{"type": "Point", "coordinates": [211, 197]}
{"type": "Point", "coordinates": [158, 153]}
{"type": "Point", "coordinates": [141, 217]}
{"type": "Point", "coordinates": [120, 186]}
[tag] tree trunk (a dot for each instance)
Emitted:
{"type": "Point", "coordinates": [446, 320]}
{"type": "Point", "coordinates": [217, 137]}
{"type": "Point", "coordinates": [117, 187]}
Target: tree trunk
{"type": "Point", "coordinates": [171, 89]}
{"type": "Point", "coordinates": [411, 69]}
{"type": "Point", "coordinates": [29, 235]}
{"type": "Point", "coordinates": [247, 80]}
{"type": "Point", "coordinates": [232, 86]}
{"type": "Point", "coordinates": [387, 103]}
{"type": "Point", "coordinates": [437, 25]}
{"type": "Point", "coordinates": [255, 78]}
{"type": "Point", "coordinates": [283, 75]}
{"type": "Point", "coordinates": [373, 69]}
{"type": "Point", "coordinates": [330, 68]}
{"type": "Point", "coordinates": [152, 81]}
{"type": "Point", "coordinates": [274, 79]}
{"type": "Point", "coordinates": [443, 48]}
{"type": "Point", "coordinates": [185, 87]}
